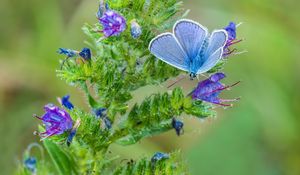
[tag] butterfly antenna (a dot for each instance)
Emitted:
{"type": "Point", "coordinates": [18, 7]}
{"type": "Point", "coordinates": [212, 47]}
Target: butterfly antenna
{"type": "Point", "coordinates": [239, 24]}
{"type": "Point", "coordinates": [176, 82]}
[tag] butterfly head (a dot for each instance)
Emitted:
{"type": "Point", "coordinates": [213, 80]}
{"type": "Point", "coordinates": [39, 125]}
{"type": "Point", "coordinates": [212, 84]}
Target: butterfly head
{"type": "Point", "coordinates": [192, 75]}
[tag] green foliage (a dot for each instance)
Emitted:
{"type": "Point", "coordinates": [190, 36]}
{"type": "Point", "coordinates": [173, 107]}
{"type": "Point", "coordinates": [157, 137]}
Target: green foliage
{"type": "Point", "coordinates": [154, 115]}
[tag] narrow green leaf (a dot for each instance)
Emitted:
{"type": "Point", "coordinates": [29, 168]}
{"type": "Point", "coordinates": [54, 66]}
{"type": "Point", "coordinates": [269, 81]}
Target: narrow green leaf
{"type": "Point", "coordinates": [61, 160]}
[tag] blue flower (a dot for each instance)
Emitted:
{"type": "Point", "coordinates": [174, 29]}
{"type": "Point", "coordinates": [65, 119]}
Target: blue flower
{"type": "Point", "coordinates": [85, 53]}
{"type": "Point", "coordinates": [178, 126]}
{"type": "Point", "coordinates": [67, 52]}
{"type": "Point", "coordinates": [135, 30]}
{"type": "Point", "coordinates": [159, 156]}
{"type": "Point", "coordinates": [208, 90]}
{"type": "Point", "coordinates": [56, 121]}
{"type": "Point", "coordinates": [113, 23]}
{"type": "Point", "coordinates": [30, 164]}
{"type": "Point", "coordinates": [66, 103]}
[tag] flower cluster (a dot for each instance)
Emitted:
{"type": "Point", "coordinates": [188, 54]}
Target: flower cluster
{"type": "Point", "coordinates": [113, 23]}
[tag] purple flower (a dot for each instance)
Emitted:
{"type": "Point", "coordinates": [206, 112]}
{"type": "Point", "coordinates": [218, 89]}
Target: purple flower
{"type": "Point", "coordinates": [113, 23]}
{"type": "Point", "coordinates": [56, 121]}
{"type": "Point", "coordinates": [208, 90]}
{"type": "Point", "coordinates": [66, 103]}
{"type": "Point", "coordinates": [231, 31]}
{"type": "Point", "coordinates": [178, 126]}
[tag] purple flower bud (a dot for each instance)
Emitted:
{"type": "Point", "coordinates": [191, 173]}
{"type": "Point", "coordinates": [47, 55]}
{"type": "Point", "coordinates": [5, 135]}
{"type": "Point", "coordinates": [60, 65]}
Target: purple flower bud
{"type": "Point", "coordinates": [85, 53]}
{"type": "Point", "coordinates": [101, 9]}
{"type": "Point", "coordinates": [107, 122]}
{"type": "Point", "coordinates": [208, 90]}
{"type": "Point", "coordinates": [159, 156]}
{"type": "Point", "coordinates": [30, 164]}
{"type": "Point", "coordinates": [178, 126]}
{"type": "Point", "coordinates": [56, 121]}
{"type": "Point", "coordinates": [231, 31]}
{"type": "Point", "coordinates": [100, 112]}
{"type": "Point", "coordinates": [113, 23]}
{"type": "Point", "coordinates": [66, 103]}
{"type": "Point", "coordinates": [135, 29]}
{"type": "Point", "coordinates": [73, 132]}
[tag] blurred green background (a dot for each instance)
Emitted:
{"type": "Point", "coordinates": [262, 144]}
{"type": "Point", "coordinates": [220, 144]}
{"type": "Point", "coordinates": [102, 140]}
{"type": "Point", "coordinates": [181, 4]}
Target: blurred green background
{"type": "Point", "coordinates": [260, 135]}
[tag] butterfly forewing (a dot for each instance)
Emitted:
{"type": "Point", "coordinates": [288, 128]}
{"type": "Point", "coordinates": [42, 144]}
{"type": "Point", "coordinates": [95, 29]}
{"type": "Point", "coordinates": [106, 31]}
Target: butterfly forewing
{"type": "Point", "coordinates": [167, 48]}
{"type": "Point", "coordinates": [191, 36]}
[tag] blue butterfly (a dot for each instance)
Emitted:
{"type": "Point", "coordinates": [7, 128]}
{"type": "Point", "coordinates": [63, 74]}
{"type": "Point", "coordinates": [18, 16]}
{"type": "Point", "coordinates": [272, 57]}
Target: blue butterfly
{"type": "Point", "coordinates": [190, 48]}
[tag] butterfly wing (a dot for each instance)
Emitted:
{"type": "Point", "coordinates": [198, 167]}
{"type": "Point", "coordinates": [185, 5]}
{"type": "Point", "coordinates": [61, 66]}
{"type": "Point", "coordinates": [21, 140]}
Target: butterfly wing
{"type": "Point", "coordinates": [214, 50]}
{"type": "Point", "coordinates": [191, 36]}
{"type": "Point", "coordinates": [211, 61]}
{"type": "Point", "coordinates": [166, 48]}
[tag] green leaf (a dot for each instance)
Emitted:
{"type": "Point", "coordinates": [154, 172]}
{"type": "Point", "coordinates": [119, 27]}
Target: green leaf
{"type": "Point", "coordinates": [62, 161]}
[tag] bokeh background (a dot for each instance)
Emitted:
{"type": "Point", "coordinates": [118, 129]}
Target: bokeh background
{"type": "Point", "coordinates": [260, 135]}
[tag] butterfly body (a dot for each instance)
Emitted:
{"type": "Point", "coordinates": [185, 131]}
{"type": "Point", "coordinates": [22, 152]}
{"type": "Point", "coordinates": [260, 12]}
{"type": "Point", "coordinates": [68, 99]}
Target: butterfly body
{"type": "Point", "coordinates": [190, 47]}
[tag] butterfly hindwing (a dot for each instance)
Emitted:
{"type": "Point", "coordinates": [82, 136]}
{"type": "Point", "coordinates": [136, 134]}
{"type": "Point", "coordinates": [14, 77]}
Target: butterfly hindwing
{"type": "Point", "coordinates": [217, 40]}
{"type": "Point", "coordinates": [214, 50]}
{"type": "Point", "coordinates": [190, 35]}
{"type": "Point", "coordinates": [211, 61]}
{"type": "Point", "coordinates": [166, 48]}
